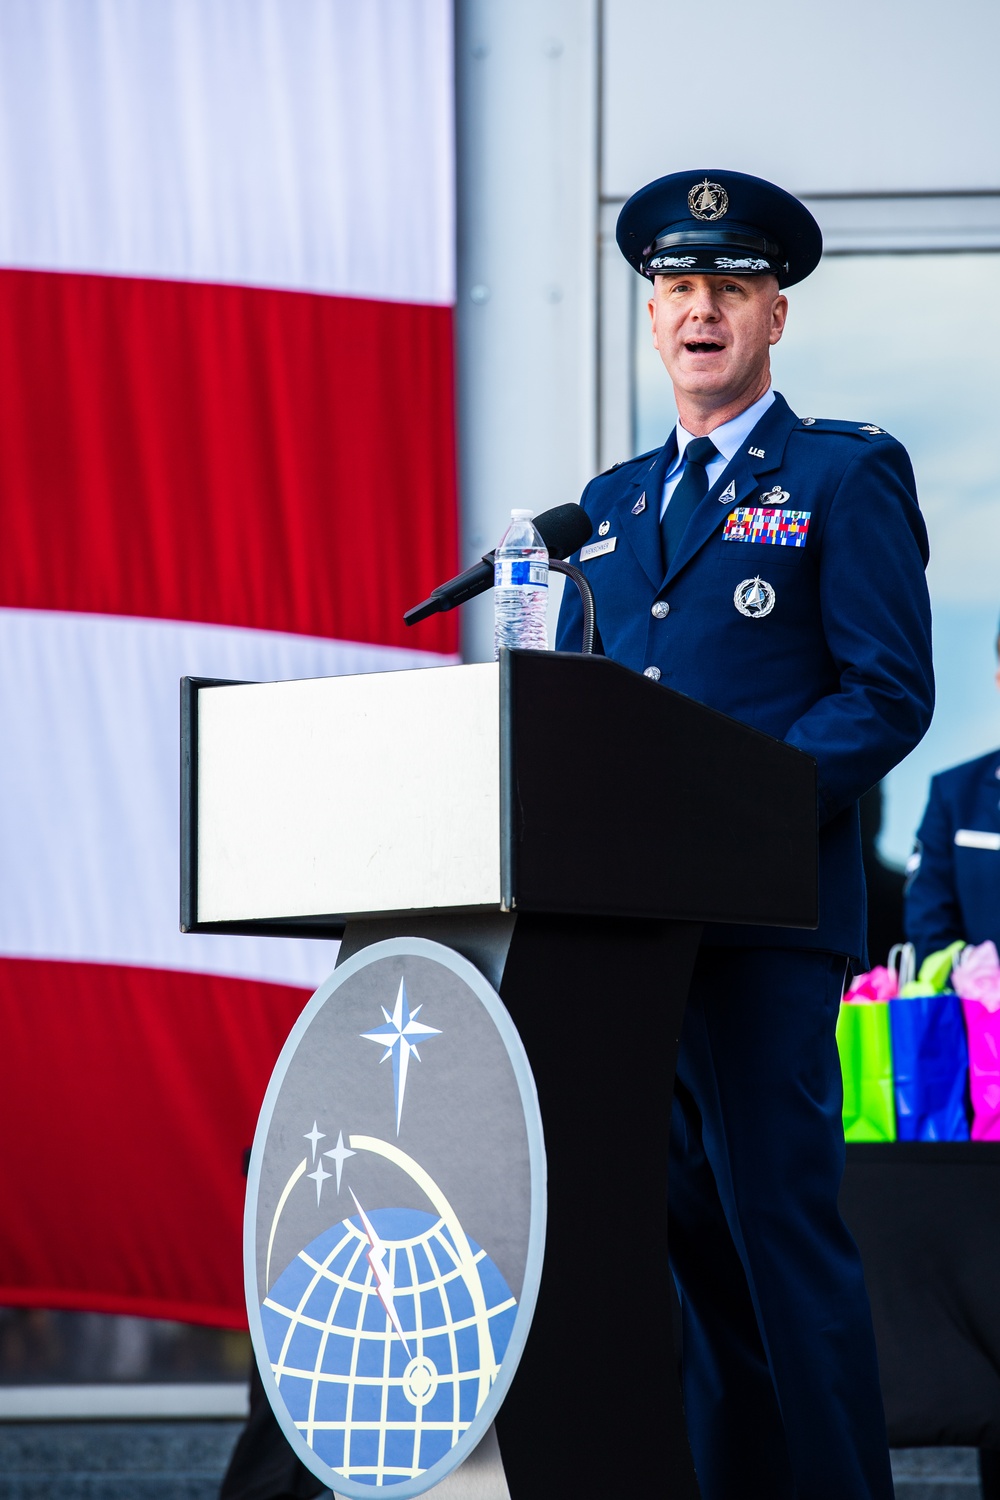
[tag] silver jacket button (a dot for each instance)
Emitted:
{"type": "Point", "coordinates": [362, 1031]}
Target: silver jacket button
{"type": "Point", "coordinates": [653, 673]}
{"type": "Point", "coordinates": [660, 609]}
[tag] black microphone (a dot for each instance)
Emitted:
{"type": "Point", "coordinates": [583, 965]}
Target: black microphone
{"type": "Point", "coordinates": [563, 529]}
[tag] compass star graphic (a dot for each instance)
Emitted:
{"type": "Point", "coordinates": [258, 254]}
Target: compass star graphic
{"type": "Point", "coordinates": [399, 1036]}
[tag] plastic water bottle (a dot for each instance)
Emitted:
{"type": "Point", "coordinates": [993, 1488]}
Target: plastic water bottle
{"type": "Point", "coordinates": [521, 586]}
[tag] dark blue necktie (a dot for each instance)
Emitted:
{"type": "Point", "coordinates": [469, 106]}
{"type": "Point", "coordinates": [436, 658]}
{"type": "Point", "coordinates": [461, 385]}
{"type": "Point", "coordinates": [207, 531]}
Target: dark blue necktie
{"type": "Point", "coordinates": [693, 487]}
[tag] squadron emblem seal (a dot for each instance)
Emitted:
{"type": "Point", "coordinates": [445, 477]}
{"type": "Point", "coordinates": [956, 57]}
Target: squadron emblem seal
{"type": "Point", "coordinates": [708, 201]}
{"type": "Point", "coordinates": [754, 598]}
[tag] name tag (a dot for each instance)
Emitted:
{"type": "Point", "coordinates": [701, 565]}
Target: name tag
{"type": "Point", "coordinates": [975, 838]}
{"type": "Point", "coordinates": [598, 549]}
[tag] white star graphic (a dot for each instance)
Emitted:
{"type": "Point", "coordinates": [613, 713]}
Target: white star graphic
{"type": "Point", "coordinates": [340, 1153]}
{"type": "Point", "coordinates": [399, 1037]}
{"type": "Point", "coordinates": [315, 1135]}
{"type": "Point", "coordinates": [319, 1177]}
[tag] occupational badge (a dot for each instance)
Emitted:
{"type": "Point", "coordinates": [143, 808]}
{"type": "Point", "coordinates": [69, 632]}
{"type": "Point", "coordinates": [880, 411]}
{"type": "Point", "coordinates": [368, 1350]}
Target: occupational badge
{"type": "Point", "coordinates": [708, 201]}
{"type": "Point", "coordinates": [775, 496]}
{"type": "Point", "coordinates": [754, 598]}
{"type": "Point", "coordinates": [604, 528]}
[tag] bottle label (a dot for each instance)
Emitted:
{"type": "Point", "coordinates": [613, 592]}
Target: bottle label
{"type": "Point", "coordinates": [520, 573]}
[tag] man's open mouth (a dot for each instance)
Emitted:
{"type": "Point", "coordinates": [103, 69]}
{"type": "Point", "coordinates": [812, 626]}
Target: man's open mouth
{"type": "Point", "coordinates": [702, 346]}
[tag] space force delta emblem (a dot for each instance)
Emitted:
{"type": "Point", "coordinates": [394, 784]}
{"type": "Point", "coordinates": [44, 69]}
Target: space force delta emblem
{"type": "Point", "coordinates": [395, 1220]}
{"type": "Point", "coordinates": [773, 526]}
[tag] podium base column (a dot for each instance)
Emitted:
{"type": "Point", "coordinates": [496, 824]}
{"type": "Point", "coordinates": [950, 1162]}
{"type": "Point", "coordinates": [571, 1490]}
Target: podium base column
{"type": "Point", "coordinates": [599, 1004]}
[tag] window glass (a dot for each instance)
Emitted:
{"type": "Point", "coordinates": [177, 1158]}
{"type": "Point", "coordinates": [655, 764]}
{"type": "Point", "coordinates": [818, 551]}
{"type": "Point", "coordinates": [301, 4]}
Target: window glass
{"type": "Point", "coordinates": [910, 343]}
{"type": "Point", "coordinates": [42, 1346]}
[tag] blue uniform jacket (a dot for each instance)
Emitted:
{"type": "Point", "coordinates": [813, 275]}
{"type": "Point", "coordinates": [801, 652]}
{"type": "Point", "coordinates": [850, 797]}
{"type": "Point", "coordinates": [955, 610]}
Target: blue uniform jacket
{"type": "Point", "coordinates": [840, 666]}
{"type": "Point", "coordinates": [955, 890]}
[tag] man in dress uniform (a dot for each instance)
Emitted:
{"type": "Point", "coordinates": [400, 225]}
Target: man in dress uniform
{"type": "Point", "coordinates": [771, 566]}
{"type": "Point", "coordinates": [953, 890]}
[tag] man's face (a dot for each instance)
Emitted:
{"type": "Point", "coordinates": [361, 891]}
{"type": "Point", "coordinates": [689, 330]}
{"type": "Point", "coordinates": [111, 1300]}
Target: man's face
{"type": "Point", "coordinates": [714, 333]}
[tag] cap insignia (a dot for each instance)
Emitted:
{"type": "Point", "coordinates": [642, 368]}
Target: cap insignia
{"type": "Point", "coordinates": [672, 262]}
{"type": "Point", "coordinates": [741, 263]}
{"type": "Point", "coordinates": [708, 201]}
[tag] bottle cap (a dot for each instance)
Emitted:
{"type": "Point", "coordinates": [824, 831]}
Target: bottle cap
{"type": "Point", "coordinates": [521, 515]}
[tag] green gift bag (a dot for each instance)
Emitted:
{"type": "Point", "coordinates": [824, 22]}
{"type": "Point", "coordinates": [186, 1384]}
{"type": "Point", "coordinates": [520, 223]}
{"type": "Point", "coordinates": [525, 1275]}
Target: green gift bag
{"type": "Point", "coordinates": [865, 1044]}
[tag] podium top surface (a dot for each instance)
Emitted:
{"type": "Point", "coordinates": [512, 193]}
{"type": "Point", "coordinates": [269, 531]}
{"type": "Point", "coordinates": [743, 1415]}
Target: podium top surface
{"type": "Point", "coordinates": [548, 782]}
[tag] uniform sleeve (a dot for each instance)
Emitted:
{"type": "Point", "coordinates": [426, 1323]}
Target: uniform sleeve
{"type": "Point", "coordinates": [876, 620]}
{"type": "Point", "coordinates": [569, 630]}
{"type": "Point", "coordinates": [932, 915]}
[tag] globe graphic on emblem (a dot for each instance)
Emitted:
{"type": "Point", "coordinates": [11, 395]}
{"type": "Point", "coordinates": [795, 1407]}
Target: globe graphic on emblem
{"type": "Point", "coordinates": [384, 1342]}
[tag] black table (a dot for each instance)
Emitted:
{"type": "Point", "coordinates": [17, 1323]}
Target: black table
{"type": "Point", "coordinates": [927, 1220]}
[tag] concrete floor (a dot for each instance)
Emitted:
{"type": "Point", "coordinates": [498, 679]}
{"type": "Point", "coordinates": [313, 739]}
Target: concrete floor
{"type": "Point", "coordinates": [186, 1460]}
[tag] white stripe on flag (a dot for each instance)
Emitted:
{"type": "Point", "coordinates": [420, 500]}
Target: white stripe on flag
{"type": "Point", "coordinates": [305, 144]}
{"type": "Point", "coordinates": [89, 753]}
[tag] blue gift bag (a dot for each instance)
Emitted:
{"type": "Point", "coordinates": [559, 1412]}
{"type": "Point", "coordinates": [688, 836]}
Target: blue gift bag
{"type": "Point", "coordinates": [930, 1067]}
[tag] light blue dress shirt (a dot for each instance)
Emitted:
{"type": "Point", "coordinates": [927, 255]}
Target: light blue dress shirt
{"type": "Point", "coordinates": [728, 438]}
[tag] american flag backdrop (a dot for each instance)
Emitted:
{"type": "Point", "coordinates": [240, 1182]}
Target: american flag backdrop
{"type": "Point", "coordinates": [227, 448]}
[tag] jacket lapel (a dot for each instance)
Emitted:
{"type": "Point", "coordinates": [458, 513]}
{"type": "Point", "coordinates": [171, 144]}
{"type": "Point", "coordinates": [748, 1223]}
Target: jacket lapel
{"type": "Point", "coordinates": [739, 482]}
{"type": "Point", "coordinates": [642, 531]}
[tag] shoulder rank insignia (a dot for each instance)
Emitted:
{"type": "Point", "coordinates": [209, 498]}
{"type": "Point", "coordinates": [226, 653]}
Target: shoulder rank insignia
{"type": "Point", "coordinates": [621, 462]}
{"type": "Point", "coordinates": [846, 429]}
{"type": "Point", "coordinates": [770, 525]}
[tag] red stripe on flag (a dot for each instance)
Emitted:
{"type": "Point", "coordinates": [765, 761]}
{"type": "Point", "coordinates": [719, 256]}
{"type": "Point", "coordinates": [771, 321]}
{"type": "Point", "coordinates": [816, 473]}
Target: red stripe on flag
{"type": "Point", "coordinates": [130, 1097]}
{"type": "Point", "coordinates": [226, 454]}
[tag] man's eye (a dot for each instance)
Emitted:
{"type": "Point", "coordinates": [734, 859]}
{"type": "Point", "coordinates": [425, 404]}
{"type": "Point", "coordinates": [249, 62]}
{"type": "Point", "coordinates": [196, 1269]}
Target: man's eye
{"type": "Point", "coordinates": [731, 286]}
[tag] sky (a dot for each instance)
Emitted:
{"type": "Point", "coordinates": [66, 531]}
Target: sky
{"type": "Point", "coordinates": [910, 343]}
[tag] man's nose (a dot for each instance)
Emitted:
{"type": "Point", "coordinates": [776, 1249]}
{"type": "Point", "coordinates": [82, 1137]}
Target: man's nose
{"type": "Point", "coordinates": [704, 306]}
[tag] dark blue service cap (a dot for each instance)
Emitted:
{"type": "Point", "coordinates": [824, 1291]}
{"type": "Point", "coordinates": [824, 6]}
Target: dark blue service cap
{"type": "Point", "coordinates": [715, 221]}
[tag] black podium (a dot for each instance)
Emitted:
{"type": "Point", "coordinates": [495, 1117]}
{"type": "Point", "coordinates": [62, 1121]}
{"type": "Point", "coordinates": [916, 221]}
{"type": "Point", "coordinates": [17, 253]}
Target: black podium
{"type": "Point", "coordinates": [569, 826]}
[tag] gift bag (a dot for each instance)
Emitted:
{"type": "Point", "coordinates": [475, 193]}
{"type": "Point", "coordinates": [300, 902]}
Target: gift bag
{"type": "Point", "coordinates": [930, 1062]}
{"type": "Point", "coordinates": [865, 1047]}
{"type": "Point", "coordinates": [976, 977]}
{"type": "Point", "coordinates": [930, 1058]}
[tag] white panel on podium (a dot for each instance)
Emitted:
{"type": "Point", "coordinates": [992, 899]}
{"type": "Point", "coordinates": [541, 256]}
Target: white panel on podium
{"type": "Point", "coordinates": [353, 795]}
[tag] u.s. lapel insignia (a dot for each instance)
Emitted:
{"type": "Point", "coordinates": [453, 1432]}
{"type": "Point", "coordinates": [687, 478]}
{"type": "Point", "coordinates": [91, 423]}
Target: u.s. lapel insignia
{"type": "Point", "coordinates": [756, 452]}
{"type": "Point", "coordinates": [729, 493]}
{"type": "Point", "coordinates": [754, 598]}
{"type": "Point", "coordinates": [604, 528]}
{"type": "Point", "coordinates": [777, 496]}
{"type": "Point", "coordinates": [640, 505]}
